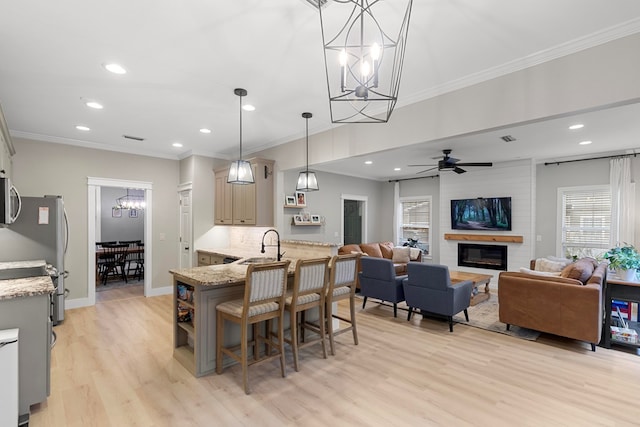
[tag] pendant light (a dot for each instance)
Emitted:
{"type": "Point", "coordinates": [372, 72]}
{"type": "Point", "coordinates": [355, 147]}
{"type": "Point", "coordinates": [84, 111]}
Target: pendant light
{"type": "Point", "coordinates": [240, 171]}
{"type": "Point", "coordinates": [307, 181]}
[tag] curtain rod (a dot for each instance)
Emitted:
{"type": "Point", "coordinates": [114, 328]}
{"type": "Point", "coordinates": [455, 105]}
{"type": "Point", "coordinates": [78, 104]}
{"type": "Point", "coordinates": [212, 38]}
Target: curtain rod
{"type": "Point", "coordinates": [619, 156]}
{"type": "Point", "coordinates": [418, 177]}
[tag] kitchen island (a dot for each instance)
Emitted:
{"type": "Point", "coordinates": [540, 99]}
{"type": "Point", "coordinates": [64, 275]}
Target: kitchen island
{"type": "Point", "coordinates": [196, 293]}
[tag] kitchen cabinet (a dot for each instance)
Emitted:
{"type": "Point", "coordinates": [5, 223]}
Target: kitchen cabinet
{"type": "Point", "coordinates": [30, 314]}
{"type": "Point", "coordinates": [6, 149]}
{"type": "Point", "coordinates": [208, 258]}
{"type": "Point", "coordinates": [250, 204]}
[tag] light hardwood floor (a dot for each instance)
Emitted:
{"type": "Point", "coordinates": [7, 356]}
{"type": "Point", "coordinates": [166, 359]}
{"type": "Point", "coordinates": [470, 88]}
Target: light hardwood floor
{"type": "Point", "coordinates": [113, 366]}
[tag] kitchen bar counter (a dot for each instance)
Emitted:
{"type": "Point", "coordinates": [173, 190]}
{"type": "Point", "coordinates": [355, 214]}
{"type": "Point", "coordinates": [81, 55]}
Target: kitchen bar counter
{"type": "Point", "coordinates": [8, 265]}
{"type": "Point", "coordinates": [26, 287]}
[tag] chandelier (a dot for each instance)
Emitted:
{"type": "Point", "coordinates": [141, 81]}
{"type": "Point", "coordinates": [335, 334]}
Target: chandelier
{"type": "Point", "coordinates": [133, 200]}
{"type": "Point", "coordinates": [362, 60]}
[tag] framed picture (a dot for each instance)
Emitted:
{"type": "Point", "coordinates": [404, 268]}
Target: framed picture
{"type": "Point", "coordinates": [297, 219]}
{"type": "Point", "coordinates": [301, 198]}
{"type": "Point", "coordinates": [133, 213]}
{"type": "Point", "coordinates": [306, 217]}
{"type": "Point", "coordinates": [116, 212]}
{"type": "Point", "coordinates": [290, 200]}
{"type": "Point", "coordinates": [315, 219]}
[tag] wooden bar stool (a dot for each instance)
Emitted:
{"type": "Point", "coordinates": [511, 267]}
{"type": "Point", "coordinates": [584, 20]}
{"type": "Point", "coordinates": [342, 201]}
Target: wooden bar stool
{"type": "Point", "coordinates": [264, 292]}
{"type": "Point", "coordinates": [309, 291]}
{"type": "Point", "coordinates": [342, 286]}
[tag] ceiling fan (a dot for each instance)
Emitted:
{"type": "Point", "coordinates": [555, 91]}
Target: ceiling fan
{"type": "Point", "coordinates": [450, 164]}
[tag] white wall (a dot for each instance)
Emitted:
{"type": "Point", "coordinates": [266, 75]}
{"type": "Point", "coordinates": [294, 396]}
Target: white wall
{"type": "Point", "coordinates": [119, 228]}
{"type": "Point", "coordinates": [49, 168]}
{"type": "Point", "coordinates": [515, 180]}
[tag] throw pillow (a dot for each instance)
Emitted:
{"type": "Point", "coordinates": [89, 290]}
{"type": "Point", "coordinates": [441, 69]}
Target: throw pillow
{"type": "Point", "coordinates": [540, 273]}
{"type": "Point", "coordinates": [401, 254]}
{"type": "Point", "coordinates": [386, 248]}
{"type": "Point", "coordinates": [580, 270]}
{"type": "Point", "coordinates": [373, 249]}
{"type": "Point", "coordinates": [544, 264]}
{"type": "Point", "coordinates": [414, 253]}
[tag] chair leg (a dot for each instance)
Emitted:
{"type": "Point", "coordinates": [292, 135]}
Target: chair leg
{"type": "Point", "coordinates": [395, 309]}
{"type": "Point", "coordinates": [410, 313]}
{"type": "Point", "coordinates": [294, 338]}
{"type": "Point", "coordinates": [593, 347]}
{"type": "Point", "coordinates": [281, 343]}
{"type": "Point", "coordinates": [323, 332]}
{"type": "Point", "coordinates": [329, 320]}
{"type": "Point", "coordinates": [256, 334]}
{"type": "Point", "coordinates": [354, 329]}
{"type": "Point", "coordinates": [244, 356]}
{"type": "Point", "coordinates": [364, 302]}
{"type": "Point", "coordinates": [466, 315]}
{"type": "Point", "coordinates": [450, 323]}
{"type": "Point", "coordinates": [508, 326]}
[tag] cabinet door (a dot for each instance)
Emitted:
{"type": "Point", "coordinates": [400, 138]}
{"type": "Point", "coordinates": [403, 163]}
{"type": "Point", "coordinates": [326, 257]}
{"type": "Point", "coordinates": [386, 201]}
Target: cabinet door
{"type": "Point", "coordinates": [244, 203]}
{"type": "Point", "coordinates": [223, 201]}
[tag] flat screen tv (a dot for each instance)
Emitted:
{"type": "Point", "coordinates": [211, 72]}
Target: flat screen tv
{"type": "Point", "coordinates": [483, 213]}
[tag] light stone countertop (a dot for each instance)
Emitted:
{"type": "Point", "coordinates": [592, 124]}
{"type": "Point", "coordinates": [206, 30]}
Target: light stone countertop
{"type": "Point", "coordinates": [6, 265]}
{"type": "Point", "coordinates": [26, 287]}
{"type": "Point", "coordinates": [219, 274]}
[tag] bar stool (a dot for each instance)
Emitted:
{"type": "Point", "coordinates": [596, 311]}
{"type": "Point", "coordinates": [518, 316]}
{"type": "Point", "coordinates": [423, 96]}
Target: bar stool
{"type": "Point", "coordinates": [309, 291]}
{"type": "Point", "coordinates": [264, 292]}
{"type": "Point", "coordinates": [342, 286]}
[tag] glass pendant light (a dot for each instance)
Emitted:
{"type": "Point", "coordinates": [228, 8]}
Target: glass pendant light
{"type": "Point", "coordinates": [240, 171]}
{"type": "Point", "coordinates": [307, 181]}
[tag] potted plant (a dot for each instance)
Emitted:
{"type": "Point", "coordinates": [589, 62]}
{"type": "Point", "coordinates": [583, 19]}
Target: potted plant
{"type": "Point", "coordinates": [625, 260]}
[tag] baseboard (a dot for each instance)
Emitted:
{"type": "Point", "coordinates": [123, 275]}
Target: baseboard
{"type": "Point", "coordinates": [165, 290]}
{"type": "Point", "coordinates": [70, 304]}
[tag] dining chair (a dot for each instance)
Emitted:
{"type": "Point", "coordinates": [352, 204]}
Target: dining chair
{"type": "Point", "coordinates": [264, 294]}
{"type": "Point", "coordinates": [342, 286]}
{"type": "Point", "coordinates": [135, 258]}
{"type": "Point", "coordinates": [309, 291]}
{"type": "Point", "coordinates": [114, 257]}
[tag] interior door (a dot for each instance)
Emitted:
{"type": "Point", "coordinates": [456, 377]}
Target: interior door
{"type": "Point", "coordinates": [352, 222]}
{"type": "Point", "coordinates": [185, 230]}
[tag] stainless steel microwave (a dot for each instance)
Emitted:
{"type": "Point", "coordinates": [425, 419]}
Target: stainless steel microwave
{"type": "Point", "coordinates": [9, 202]}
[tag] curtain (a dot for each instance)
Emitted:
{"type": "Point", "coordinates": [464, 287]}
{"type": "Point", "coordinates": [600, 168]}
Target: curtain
{"type": "Point", "coordinates": [622, 202]}
{"type": "Point", "coordinates": [397, 213]}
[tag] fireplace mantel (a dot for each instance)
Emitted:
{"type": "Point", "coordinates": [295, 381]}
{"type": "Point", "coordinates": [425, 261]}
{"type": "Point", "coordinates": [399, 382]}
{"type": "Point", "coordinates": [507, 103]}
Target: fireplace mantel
{"type": "Point", "coordinates": [484, 237]}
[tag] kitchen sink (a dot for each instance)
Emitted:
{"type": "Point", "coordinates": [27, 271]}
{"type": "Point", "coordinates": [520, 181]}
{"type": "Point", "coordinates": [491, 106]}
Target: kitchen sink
{"type": "Point", "coordinates": [257, 260]}
{"type": "Point", "coordinates": [19, 273]}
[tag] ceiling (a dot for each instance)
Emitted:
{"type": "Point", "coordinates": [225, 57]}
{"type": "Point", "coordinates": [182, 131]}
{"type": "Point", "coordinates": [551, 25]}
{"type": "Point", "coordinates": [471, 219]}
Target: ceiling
{"type": "Point", "coordinates": [184, 59]}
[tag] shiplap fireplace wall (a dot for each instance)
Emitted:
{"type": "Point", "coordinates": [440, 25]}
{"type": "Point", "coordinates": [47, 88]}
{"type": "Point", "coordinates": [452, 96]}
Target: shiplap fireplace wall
{"type": "Point", "coordinates": [513, 179]}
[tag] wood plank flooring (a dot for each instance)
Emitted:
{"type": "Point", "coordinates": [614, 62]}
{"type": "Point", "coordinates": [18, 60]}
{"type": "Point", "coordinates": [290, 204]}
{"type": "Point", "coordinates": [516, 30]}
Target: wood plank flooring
{"type": "Point", "coordinates": [113, 366]}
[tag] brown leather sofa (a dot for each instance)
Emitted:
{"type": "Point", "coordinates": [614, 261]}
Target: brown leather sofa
{"type": "Point", "coordinates": [569, 305]}
{"type": "Point", "coordinates": [379, 250]}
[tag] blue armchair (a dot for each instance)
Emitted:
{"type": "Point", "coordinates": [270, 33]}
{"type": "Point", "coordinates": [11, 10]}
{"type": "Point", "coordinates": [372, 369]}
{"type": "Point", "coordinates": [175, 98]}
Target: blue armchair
{"type": "Point", "coordinates": [428, 288]}
{"type": "Point", "coordinates": [378, 280]}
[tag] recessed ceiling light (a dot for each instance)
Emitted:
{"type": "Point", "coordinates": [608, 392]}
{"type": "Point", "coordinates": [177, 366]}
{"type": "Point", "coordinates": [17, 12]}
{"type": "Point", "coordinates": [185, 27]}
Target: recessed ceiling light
{"type": "Point", "coordinates": [115, 68]}
{"type": "Point", "coordinates": [576, 126]}
{"type": "Point", "coordinates": [205, 130]}
{"type": "Point", "coordinates": [397, 169]}
{"type": "Point", "coordinates": [248, 107]}
{"type": "Point", "coordinates": [585, 142]}
{"type": "Point", "coordinates": [93, 104]}
{"type": "Point", "coordinates": [368, 162]}
{"type": "Point", "coordinates": [177, 144]}
{"type": "Point", "coordinates": [84, 128]}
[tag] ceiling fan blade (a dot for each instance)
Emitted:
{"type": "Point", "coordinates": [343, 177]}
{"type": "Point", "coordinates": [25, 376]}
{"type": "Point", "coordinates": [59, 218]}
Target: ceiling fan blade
{"type": "Point", "coordinates": [427, 170]}
{"type": "Point", "coordinates": [459, 170]}
{"type": "Point", "coordinates": [475, 164]}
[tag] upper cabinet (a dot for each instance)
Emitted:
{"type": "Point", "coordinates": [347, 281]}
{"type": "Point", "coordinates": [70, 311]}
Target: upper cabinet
{"type": "Point", "coordinates": [6, 149]}
{"type": "Point", "coordinates": [250, 204]}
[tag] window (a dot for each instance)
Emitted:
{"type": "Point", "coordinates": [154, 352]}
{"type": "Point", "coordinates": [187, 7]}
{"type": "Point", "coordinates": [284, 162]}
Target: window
{"type": "Point", "coordinates": [585, 220]}
{"type": "Point", "coordinates": [415, 221]}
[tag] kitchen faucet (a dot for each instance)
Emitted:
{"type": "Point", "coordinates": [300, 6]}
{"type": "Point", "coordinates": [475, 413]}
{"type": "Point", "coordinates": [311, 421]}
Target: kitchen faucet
{"type": "Point", "coordinates": [264, 246]}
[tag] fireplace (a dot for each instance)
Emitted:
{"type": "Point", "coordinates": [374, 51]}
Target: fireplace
{"type": "Point", "coordinates": [492, 257]}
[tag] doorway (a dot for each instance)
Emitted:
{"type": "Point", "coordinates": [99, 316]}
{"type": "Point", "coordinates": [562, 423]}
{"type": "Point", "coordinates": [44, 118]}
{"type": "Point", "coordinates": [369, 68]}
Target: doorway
{"type": "Point", "coordinates": [354, 219]}
{"type": "Point", "coordinates": [186, 229]}
{"type": "Point", "coordinates": [95, 208]}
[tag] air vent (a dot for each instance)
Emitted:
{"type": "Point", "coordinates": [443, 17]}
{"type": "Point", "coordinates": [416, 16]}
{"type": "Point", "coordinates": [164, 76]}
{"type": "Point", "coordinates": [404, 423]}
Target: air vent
{"type": "Point", "coordinates": [316, 3]}
{"type": "Point", "coordinates": [135, 138]}
{"type": "Point", "coordinates": [507, 138]}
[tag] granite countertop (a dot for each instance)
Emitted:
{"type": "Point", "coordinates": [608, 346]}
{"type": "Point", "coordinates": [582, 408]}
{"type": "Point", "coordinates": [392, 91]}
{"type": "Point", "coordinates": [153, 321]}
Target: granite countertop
{"type": "Point", "coordinates": [6, 265]}
{"type": "Point", "coordinates": [310, 243]}
{"type": "Point", "coordinates": [220, 274]}
{"type": "Point", "coordinates": [26, 287]}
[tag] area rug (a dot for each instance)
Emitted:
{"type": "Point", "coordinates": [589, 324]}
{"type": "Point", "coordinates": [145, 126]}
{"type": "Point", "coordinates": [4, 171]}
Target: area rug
{"type": "Point", "coordinates": [485, 316]}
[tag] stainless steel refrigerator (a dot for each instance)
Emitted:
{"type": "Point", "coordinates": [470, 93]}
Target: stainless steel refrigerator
{"type": "Point", "coordinates": [40, 232]}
